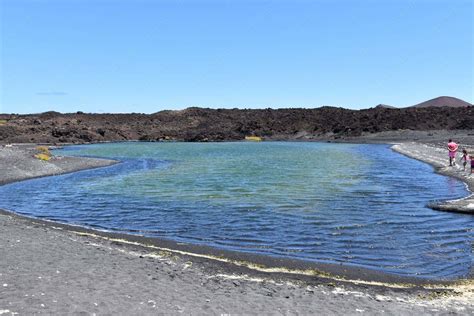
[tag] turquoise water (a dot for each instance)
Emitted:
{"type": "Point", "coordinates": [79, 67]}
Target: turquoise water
{"type": "Point", "coordinates": [360, 205]}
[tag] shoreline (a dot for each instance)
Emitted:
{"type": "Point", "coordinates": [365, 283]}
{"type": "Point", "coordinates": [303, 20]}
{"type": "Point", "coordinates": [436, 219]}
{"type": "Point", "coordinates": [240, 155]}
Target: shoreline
{"type": "Point", "coordinates": [20, 164]}
{"type": "Point", "coordinates": [241, 266]}
{"type": "Point", "coordinates": [437, 158]}
{"type": "Point", "coordinates": [251, 262]}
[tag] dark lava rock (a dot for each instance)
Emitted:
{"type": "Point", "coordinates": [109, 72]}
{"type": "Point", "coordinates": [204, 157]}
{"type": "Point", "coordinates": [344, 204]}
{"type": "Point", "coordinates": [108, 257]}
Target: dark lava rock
{"type": "Point", "coordinates": [201, 124]}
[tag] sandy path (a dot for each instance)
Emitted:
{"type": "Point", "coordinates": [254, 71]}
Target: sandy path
{"type": "Point", "coordinates": [48, 269]}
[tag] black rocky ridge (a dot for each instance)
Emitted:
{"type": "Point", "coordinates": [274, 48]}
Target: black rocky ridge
{"type": "Point", "coordinates": [203, 124]}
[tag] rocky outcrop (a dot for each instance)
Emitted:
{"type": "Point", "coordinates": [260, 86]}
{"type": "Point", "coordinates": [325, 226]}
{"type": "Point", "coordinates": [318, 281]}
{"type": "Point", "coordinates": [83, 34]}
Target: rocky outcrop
{"type": "Point", "coordinates": [201, 124]}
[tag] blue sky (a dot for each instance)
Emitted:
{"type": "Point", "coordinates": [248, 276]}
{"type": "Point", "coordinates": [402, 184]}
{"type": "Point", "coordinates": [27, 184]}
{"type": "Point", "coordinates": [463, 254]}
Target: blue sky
{"type": "Point", "coordinates": [147, 56]}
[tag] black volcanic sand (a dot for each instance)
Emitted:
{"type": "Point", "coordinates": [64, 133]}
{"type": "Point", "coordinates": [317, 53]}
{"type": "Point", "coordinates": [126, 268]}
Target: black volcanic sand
{"type": "Point", "coordinates": [52, 268]}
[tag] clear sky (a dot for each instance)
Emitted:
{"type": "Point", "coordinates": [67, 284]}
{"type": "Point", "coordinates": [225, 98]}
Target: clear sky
{"type": "Point", "coordinates": [147, 56]}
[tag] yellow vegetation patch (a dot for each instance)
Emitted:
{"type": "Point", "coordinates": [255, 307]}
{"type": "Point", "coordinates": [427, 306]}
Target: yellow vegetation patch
{"type": "Point", "coordinates": [3, 122]}
{"type": "Point", "coordinates": [44, 153]}
{"type": "Point", "coordinates": [43, 149]}
{"type": "Point", "coordinates": [253, 138]}
{"type": "Point", "coordinates": [42, 156]}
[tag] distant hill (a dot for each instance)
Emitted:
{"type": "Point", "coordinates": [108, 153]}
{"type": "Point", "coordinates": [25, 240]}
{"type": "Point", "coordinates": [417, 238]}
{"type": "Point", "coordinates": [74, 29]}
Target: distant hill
{"type": "Point", "coordinates": [385, 106]}
{"type": "Point", "coordinates": [443, 101]}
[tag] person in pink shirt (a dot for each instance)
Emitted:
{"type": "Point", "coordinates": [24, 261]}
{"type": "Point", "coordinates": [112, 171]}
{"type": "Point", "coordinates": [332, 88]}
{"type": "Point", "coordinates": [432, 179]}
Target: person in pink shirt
{"type": "Point", "coordinates": [452, 148]}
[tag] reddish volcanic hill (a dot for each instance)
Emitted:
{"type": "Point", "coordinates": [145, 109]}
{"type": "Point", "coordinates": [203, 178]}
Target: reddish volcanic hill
{"type": "Point", "coordinates": [443, 101]}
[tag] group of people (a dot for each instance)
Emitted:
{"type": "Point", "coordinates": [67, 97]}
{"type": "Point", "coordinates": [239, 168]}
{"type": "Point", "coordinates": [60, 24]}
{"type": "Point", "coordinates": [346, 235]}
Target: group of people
{"type": "Point", "coordinates": [453, 149]}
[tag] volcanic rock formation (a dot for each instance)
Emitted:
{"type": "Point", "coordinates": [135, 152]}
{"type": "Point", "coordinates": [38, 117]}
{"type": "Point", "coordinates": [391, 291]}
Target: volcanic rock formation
{"type": "Point", "coordinates": [201, 124]}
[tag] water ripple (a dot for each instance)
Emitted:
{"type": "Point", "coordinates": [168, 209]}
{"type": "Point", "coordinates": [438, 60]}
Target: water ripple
{"type": "Point", "coordinates": [360, 205]}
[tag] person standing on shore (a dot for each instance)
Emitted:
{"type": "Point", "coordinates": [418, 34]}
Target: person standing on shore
{"type": "Point", "coordinates": [464, 158]}
{"type": "Point", "coordinates": [452, 148]}
{"type": "Point", "coordinates": [472, 163]}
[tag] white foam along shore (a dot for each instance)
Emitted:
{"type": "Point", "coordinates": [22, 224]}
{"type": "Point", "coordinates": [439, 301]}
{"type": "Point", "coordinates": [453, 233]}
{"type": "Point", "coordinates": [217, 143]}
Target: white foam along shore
{"type": "Point", "coordinates": [52, 269]}
{"type": "Point", "coordinates": [438, 158]}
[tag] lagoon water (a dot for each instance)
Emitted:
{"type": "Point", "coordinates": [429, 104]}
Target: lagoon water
{"type": "Point", "coordinates": [353, 204]}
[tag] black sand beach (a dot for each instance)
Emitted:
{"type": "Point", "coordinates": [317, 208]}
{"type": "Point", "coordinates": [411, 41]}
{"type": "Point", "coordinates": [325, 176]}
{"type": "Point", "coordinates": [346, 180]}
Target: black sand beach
{"type": "Point", "coordinates": [49, 268]}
